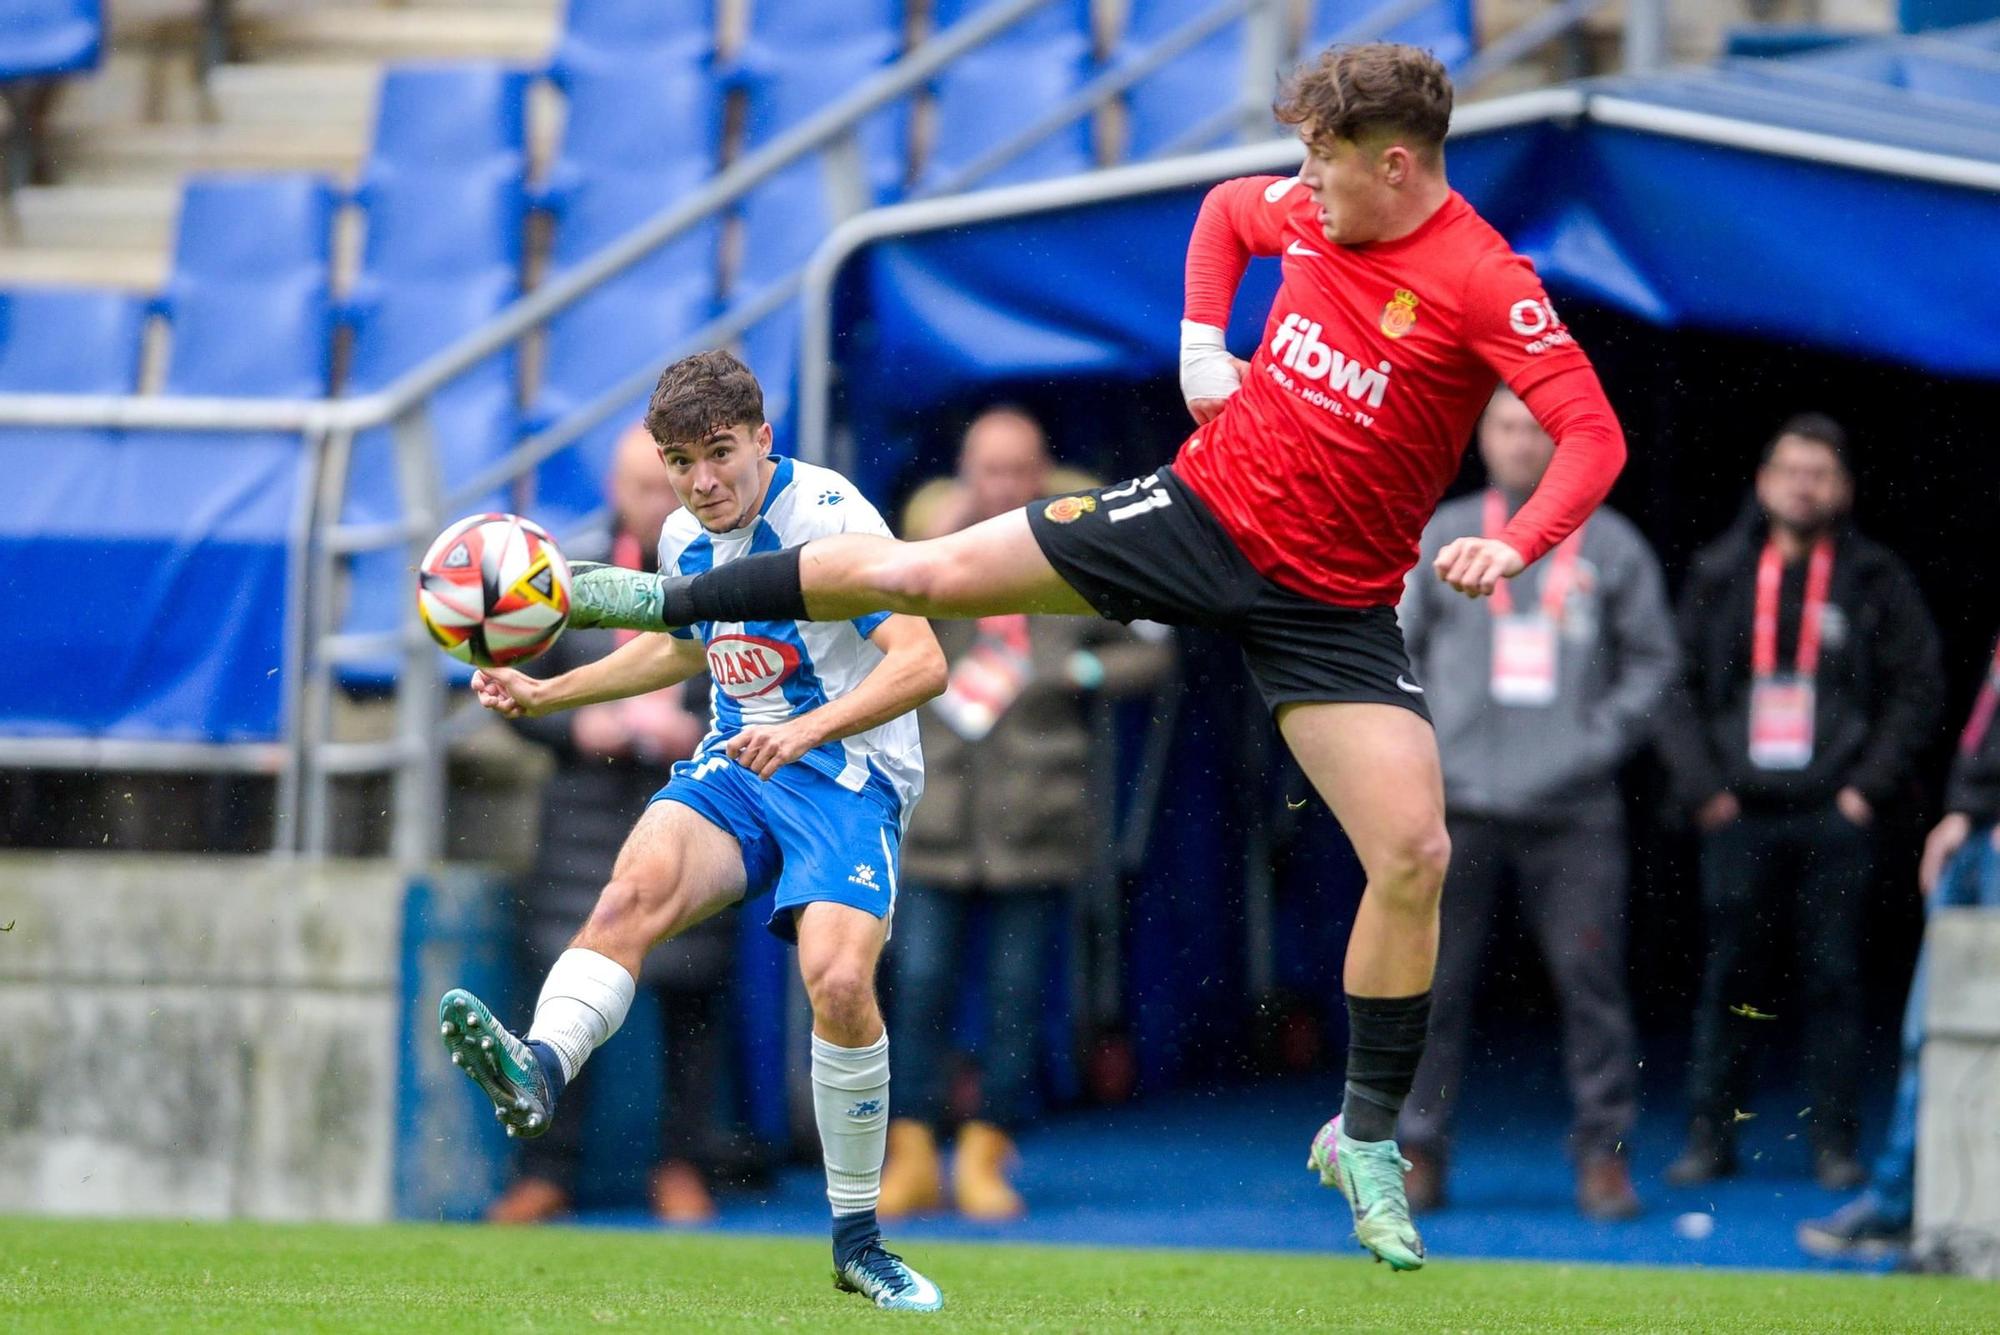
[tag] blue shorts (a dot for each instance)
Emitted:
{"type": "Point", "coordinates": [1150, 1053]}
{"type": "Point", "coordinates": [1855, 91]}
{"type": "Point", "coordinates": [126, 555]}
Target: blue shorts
{"type": "Point", "coordinates": [801, 832]}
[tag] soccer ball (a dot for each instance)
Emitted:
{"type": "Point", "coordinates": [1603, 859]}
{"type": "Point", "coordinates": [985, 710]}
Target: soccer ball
{"type": "Point", "coordinates": [494, 590]}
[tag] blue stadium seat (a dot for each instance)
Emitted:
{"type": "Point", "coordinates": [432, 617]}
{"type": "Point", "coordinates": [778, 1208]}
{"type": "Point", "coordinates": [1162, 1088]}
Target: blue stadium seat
{"type": "Point", "coordinates": [1176, 109]}
{"type": "Point", "coordinates": [660, 118]}
{"type": "Point", "coordinates": [782, 224]}
{"type": "Point", "coordinates": [782, 94]}
{"type": "Point", "coordinates": [791, 31]}
{"type": "Point", "coordinates": [1445, 28]}
{"type": "Point", "coordinates": [248, 295]}
{"type": "Point", "coordinates": [447, 116]}
{"type": "Point", "coordinates": [70, 340]}
{"type": "Point", "coordinates": [998, 89]}
{"type": "Point", "coordinates": [41, 38]}
{"type": "Point", "coordinates": [608, 33]}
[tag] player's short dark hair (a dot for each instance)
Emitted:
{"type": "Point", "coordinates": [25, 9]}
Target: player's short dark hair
{"type": "Point", "coordinates": [700, 395]}
{"type": "Point", "coordinates": [1354, 92]}
{"type": "Point", "coordinates": [1815, 427]}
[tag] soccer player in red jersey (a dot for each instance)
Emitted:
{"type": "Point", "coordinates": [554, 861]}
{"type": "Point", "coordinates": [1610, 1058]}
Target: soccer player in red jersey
{"type": "Point", "coordinates": [1289, 518]}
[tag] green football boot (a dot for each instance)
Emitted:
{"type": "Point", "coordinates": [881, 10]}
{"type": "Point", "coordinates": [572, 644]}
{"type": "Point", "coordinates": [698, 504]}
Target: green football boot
{"type": "Point", "coordinates": [499, 1063]}
{"type": "Point", "coordinates": [1369, 1173]}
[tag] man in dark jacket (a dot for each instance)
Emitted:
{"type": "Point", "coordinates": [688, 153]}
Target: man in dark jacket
{"type": "Point", "coordinates": [1810, 683]}
{"type": "Point", "coordinates": [609, 758]}
{"type": "Point", "coordinates": [1005, 828]}
{"type": "Point", "coordinates": [1960, 868]}
{"type": "Point", "coordinates": [1539, 693]}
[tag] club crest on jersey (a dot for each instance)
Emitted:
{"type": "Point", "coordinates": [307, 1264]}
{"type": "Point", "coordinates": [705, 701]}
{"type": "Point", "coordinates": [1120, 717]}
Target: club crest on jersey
{"type": "Point", "coordinates": [1399, 317]}
{"type": "Point", "coordinates": [1069, 509]}
{"type": "Point", "coordinates": [747, 666]}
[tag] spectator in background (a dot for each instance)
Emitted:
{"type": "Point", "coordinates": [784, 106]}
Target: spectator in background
{"type": "Point", "coordinates": [1810, 683]}
{"type": "Point", "coordinates": [1960, 867]}
{"type": "Point", "coordinates": [1539, 693]}
{"type": "Point", "coordinates": [609, 761]}
{"type": "Point", "coordinates": [1006, 825]}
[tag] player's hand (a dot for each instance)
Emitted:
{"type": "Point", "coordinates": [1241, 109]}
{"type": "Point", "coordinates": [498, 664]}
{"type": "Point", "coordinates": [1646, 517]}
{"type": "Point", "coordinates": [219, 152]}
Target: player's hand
{"type": "Point", "coordinates": [1946, 838]}
{"type": "Point", "coordinates": [508, 693]}
{"type": "Point", "coordinates": [768, 748]}
{"type": "Point", "coordinates": [1206, 410]}
{"type": "Point", "coordinates": [1475, 566]}
{"type": "Point", "coordinates": [1209, 375]}
{"type": "Point", "coordinates": [1854, 808]}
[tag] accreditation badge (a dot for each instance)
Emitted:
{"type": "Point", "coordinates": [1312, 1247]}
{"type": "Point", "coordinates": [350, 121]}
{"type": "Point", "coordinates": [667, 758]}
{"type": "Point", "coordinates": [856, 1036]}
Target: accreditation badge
{"type": "Point", "coordinates": [1781, 722]}
{"type": "Point", "coordinates": [1524, 659]}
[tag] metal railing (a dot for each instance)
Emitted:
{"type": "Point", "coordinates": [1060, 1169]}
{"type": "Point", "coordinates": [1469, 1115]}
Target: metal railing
{"type": "Point", "coordinates": [307, 758]}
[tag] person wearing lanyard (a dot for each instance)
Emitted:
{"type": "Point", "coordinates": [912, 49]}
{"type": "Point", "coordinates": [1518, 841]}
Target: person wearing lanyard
{"type": "Point", "coordinates": [1539, 694]}
{"type": "Point", "coordinates": [1960, 868]}
{"type": "Point", "coordinates": [1810, 684]}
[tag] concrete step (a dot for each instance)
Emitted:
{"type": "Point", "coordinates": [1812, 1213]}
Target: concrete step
{"type": "Point", "coordinates": [374, 32]}
{"type": "Point", "coordinates": [163, 154]}
{"type": "Point", "coordinates": [112, 217]}
{"type": "Point", "coordinates": [292, 93]}
{"type": "Point", "coordinates": [140, 270]}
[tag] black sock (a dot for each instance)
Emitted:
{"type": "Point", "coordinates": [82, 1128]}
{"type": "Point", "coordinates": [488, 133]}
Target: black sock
{"type": "Point", "coordinates": [1385, 1040]}
{"type": "Point", "coordinates": [764, 587]}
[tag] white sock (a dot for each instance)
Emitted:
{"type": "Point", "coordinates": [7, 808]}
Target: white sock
{"type": "Point", "coordinates": [851, 1105]}
{"type": "Point", "coordinates": [583, 1002]}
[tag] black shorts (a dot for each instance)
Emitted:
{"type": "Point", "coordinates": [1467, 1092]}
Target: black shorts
{"type": "Point", "coordinates": [1151, 550]}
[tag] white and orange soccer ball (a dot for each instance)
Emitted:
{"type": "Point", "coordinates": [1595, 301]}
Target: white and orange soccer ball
{"type": "Point", "coordinates": [494, 590]}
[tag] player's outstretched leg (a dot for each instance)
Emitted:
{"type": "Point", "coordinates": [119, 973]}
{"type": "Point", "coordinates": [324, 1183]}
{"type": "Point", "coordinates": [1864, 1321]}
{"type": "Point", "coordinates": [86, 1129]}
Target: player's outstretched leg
{"type": "Point", "coordinates": [838, 949]}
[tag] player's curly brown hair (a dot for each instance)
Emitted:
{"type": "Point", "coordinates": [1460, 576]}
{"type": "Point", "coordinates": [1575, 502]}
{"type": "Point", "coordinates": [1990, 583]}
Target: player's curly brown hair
{"type": "Point", "coordinates": [700, 395]}
{"type": "Point", "coordinates": [1368, 90]}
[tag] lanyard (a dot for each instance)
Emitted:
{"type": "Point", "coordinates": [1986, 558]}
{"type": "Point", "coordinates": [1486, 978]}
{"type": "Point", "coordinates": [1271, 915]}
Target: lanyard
{"type": "Point", "coordinates": [1983, 709]}
{"type": "Point", "coordinates": [1562, 569]}
{"type": "Point", "coordinates": [1770, 576]}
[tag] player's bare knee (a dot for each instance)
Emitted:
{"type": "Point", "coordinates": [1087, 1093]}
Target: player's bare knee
{"type": "Point", "coordinates": [1412, 873]}
{"type": "Point", "coordinates": [842, 992]}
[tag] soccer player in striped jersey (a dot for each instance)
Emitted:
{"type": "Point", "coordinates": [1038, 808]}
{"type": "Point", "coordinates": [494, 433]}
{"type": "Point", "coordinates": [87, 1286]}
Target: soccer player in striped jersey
{"type": "Point", "coordinates": [802, 787]}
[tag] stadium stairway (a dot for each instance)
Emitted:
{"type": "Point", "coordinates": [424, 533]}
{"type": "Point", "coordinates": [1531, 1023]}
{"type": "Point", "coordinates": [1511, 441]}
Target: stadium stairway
{"type": "Point", "coordinates": [298, 94]}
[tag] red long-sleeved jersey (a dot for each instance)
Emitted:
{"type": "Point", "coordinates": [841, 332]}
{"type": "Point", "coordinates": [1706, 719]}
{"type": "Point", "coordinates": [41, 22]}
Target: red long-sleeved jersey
{"type": "Point", "coordinates": [1375, 364]}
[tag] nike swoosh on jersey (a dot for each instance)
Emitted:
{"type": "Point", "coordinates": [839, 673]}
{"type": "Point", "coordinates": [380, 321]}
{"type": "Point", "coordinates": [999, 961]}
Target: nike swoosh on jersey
{"type": "Point", "coordinates": [1296, 249]}
{"type": "Point", "coordinates": [1404, 684]}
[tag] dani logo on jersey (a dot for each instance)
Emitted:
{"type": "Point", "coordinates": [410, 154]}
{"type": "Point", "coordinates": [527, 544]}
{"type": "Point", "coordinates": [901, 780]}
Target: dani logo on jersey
{"type": "Point", "coordinates": [747, 666]}
{"type": "Point", "coordinates": [1297, 346]}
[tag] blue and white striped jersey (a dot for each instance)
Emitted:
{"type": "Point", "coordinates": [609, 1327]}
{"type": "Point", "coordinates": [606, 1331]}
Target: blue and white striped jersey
{"type": "Point", "coordinates": [770, 671]}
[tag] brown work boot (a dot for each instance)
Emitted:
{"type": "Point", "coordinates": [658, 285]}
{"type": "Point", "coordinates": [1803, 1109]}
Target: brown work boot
{"type": "Point", "coordinates": [1604, 1188]}
{"type": "Point", "coordinates": [979, 1174]}
{"type": "Point", "coordinates": [912, 1175]}
{"type": "Point", "coordinates": [1423, 1185]}
{"type": "Point", "coordinates": [679, 1194]}
{"type": "Point", "coordinates": [531, 1200]}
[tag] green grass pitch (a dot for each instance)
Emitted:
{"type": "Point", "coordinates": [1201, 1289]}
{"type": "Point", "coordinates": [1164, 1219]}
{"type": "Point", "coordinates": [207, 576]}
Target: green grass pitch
{"type": "Point", "coordinates": [162, 1277]}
